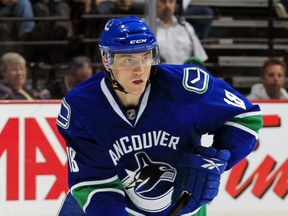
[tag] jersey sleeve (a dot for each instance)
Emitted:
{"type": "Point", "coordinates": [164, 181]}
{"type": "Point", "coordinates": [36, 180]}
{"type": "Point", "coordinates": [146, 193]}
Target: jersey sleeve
{"type": "Point", "coordinates": [215, 108]}
{"type": "Point", "coordinates": [92, 177]}
{"type": "Point", "coordinates": [231, 118]}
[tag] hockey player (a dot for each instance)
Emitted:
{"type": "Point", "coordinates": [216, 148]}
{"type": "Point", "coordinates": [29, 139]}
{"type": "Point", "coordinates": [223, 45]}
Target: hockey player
{"type": "Point", "coordinates": [133, 132]}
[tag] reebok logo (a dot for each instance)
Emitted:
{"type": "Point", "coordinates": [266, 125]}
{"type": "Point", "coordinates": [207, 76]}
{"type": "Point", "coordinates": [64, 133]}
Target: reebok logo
{"type": "Point", "coordinates": [211, 165]}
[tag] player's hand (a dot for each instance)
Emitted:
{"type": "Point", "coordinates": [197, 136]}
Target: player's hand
{"type": "Point", "coordinates": [199, 174]}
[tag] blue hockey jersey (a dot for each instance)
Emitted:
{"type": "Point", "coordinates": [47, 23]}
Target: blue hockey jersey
{"type": "Point", "coordinates": [119, 166]}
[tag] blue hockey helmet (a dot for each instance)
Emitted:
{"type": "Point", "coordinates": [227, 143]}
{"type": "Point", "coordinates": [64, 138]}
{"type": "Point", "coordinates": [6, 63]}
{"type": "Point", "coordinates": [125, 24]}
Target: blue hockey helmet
{"type": "Point", "coordinates": [127, 35]}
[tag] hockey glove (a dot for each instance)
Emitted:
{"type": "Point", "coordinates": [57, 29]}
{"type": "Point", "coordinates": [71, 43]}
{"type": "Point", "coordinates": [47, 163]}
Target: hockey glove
{"type": "Point", "coordinates": [199, 175]}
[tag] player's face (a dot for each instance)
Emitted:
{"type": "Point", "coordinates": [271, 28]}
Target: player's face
{"type": "Point", "coordinates": [274, 78]}
{"type": "Point", "coordinates": [132, 71]}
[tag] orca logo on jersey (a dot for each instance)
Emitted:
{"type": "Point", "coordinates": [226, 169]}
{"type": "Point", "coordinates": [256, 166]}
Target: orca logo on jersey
{"type": "Point", "coordinates": [195, 80]}
{"type": "Point", "coordinates": [63, 119]}
{"type": "Point", "coordinates": [139, 184]}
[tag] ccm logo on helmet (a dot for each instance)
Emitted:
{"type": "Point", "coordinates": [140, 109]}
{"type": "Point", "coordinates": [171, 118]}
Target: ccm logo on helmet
{"type": "Point", "coordinates": [138, 41]}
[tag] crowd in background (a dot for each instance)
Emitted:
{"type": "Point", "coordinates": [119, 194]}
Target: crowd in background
{"type": "Point", "coordinates": [179, 39]}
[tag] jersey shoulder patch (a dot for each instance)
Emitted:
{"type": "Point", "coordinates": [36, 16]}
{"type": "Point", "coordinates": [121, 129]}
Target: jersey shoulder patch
{"type": "Point", "coordinates": [195, 79]}
{"type": "Point", "coordinates": [63, 119]}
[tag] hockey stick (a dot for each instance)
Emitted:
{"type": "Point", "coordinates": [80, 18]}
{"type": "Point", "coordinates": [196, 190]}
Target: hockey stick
{"type": "Point", "coordinates": [182, 201]}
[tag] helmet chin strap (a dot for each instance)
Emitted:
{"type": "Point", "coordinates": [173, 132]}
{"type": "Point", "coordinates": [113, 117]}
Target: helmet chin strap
{"type": "Point", "coordinates": [118, 87]}
{"type": "Point", "coordinates": [115, 84]}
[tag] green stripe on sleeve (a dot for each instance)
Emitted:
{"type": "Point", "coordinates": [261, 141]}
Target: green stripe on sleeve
{"type": "Point", "coordinates": [253, 122]}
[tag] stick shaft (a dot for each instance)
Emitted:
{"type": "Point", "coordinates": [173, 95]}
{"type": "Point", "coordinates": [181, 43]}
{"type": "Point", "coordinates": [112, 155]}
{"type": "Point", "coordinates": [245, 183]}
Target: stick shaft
{"type": "Point", "coordinates": [182, 201]}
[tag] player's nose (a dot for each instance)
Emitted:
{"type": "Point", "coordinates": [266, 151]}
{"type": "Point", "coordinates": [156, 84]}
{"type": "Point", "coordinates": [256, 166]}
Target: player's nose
{"type": "Point", "coordinates": [139, 67]}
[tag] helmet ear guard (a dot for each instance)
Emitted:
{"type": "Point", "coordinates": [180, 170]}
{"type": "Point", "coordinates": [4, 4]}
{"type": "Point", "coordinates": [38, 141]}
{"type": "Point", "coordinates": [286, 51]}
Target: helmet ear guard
{"type": "Point", "coordinates": [105, 59]}
{"type": "Point", "coordinates": [156, 55]}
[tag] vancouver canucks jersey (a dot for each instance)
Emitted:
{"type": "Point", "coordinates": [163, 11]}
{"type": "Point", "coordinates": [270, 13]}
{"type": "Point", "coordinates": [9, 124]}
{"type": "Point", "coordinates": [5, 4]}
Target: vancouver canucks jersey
{"type": "Point", "coordinates": [123, 161]}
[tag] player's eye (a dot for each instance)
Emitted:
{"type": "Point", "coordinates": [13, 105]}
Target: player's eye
{"type": "Point", "coordinates": [146, 59]}
{"type": "Point", "coordinates": [129, 60]}
{"type": "Point", "coordinates": [132, 61]}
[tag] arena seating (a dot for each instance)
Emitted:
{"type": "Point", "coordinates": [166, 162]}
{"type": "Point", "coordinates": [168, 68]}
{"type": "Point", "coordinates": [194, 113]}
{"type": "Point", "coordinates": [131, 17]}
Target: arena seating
{"type": "Point", "coordinates": [244, 33]}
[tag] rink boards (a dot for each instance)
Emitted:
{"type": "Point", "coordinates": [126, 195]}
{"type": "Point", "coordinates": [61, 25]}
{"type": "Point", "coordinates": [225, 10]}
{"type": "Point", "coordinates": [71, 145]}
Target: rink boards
{"type": "Point", "coordinates": [33, 178]}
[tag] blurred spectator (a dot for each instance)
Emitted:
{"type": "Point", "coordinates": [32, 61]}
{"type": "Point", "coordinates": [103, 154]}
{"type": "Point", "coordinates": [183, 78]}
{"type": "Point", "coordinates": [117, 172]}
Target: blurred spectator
{"type": "Point", "coordinates": [79, 70]}
{"type": "Point", "coordinates": [88, 4]}
{"type": "Point", "coordinates": [106, 7]}
{"type": "Point", "coordinates": [176, 38]}
{"type": "Point", "coordinates": [55, 30]}
{"type": "Point", "coordinates": [119, 7]}
{"type": "Point", "coordinates": [113, 6]}
{"type": "Point", "coordinates": [14, 30]}
{"type": "Point", "coordinates": [202, 26]}
{"type": "Point", "coordinates": [281, 9]}
{"type": "Point", "coordinates": [273, 75]}
{"type": "Point", "coordinates": [14, 72]}
{"type": "Point", "coordinates": [194, 60]}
